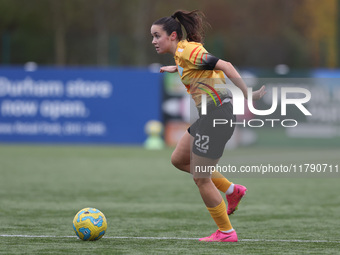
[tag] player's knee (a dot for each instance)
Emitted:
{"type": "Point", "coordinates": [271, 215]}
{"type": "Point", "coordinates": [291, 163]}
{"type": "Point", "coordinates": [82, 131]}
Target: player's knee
{"type": "Point", "coordinates": [176, 161]}
{"type": "Point", "coordinates": [199, 181]}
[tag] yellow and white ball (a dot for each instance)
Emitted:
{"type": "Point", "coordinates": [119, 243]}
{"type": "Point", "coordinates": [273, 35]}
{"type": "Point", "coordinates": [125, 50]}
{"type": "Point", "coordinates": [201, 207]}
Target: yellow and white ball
{"type": "Point", "coordinates": [153, 127]}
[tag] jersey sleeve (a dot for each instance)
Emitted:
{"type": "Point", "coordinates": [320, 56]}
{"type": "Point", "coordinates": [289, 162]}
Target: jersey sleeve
{"type": "Point", "coordinates": [199, 58]}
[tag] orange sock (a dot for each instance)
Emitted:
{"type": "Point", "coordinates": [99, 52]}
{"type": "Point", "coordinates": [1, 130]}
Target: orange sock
{"type": "Point", "coordinates": [220, 216]}
{"type": "Point", "coordinates": [221, 183]}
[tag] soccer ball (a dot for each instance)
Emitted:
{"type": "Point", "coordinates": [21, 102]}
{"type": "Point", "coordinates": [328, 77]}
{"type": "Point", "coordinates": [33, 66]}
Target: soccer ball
{"type": "Point", "coordinates": [89, 224]}
{"type": "Point", "coordinates": [153, 127]}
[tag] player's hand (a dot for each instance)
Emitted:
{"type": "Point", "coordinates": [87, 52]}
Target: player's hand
{"type": "Point", "coordinates": [169, 69]}
{"type": "Point", "coordinates": [258, 94]}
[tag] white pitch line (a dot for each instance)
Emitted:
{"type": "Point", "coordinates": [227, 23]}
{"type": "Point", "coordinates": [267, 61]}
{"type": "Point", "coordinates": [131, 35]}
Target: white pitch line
{"type": "Point", "coordinates": [37, 236]}
{"type": "Point", "coordinates": [151, 238]}
{"type": "Point", "coordinates": [176, 238]}
{"type": "Point", "coordinates": [288, 241]}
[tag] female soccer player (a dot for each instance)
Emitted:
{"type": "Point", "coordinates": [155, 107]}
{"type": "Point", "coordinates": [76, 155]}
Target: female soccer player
{"type": "Point", "coordinates": [202, 146]}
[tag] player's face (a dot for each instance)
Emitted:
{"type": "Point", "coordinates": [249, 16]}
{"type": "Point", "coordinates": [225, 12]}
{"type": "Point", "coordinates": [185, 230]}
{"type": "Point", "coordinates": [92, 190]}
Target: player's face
{"type": "Point", "coordinates": [160, 39]}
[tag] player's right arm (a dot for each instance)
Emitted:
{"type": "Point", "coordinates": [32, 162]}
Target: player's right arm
{"type": "Point", "coordinates": [169, 69]}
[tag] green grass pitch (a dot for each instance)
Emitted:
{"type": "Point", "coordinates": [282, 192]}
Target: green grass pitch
{"type": "Point", "coordinates": [143, 195]}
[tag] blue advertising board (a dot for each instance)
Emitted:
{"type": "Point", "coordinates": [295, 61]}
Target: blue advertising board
{"type": "Point", "coordinates": [78, 105]}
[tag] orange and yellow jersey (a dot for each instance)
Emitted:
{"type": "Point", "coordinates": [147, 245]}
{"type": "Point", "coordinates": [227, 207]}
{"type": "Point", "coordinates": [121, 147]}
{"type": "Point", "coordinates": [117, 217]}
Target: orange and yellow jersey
{"type": "Point", "coordinates": [196, 69]}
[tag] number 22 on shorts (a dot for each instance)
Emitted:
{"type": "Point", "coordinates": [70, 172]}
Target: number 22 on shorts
{"type": "Point", "coordinates": [202, 141]}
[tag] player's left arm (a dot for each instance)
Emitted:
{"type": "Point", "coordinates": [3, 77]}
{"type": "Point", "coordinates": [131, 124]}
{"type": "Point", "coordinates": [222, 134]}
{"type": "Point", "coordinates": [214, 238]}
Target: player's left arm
{"type": "Point", "coordinates": [235, 77]}
{"type": "Point", "coordinates": [169, 69]}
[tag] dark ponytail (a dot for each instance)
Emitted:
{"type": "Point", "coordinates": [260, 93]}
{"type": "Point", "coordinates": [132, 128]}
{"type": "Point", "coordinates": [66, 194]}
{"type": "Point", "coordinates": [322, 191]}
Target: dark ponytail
{"type": "Point", "coordinates": [193, 24]}
{"type": "Point", "coordinates": [191, 21]}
